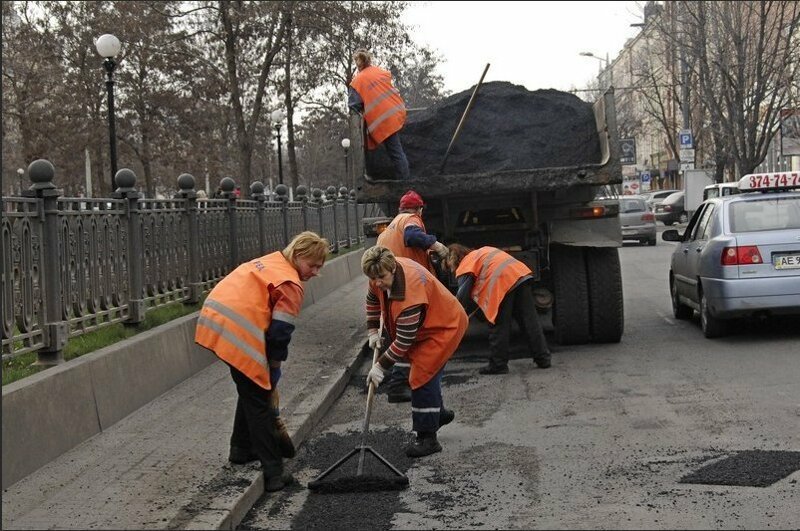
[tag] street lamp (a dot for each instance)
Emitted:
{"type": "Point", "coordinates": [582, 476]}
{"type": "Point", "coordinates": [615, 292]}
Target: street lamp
{"type": "Point", "coordinates": [20, 173]}
{"type": "Point", "coordinates": [604, 64]}
{"type": "Point", "coordinates": [346, 147]}
{"type": "Point", "coordinates": [108, 46]}
{"type": "Point", "coordinates": [277, 121]}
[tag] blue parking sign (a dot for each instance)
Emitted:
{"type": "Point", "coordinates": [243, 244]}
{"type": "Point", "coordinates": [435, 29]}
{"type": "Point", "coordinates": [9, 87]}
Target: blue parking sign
{"type": "Point", "coordinates": [685, 139]}
{"type": "Point", "coordinates": [645, 177]}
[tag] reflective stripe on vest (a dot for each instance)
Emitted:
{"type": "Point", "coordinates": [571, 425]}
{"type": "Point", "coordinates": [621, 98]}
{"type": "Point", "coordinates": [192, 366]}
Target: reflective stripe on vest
{"type": "Point", "coordinates": [496, 272]}
{"type": "Point", "coordinates": [393, 238]}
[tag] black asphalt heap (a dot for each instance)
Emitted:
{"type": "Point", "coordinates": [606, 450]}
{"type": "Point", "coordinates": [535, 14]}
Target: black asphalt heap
{"type": "Point", "coordinates": [508, 128]}
{"type": "Point", "coordinates": [752, 468]}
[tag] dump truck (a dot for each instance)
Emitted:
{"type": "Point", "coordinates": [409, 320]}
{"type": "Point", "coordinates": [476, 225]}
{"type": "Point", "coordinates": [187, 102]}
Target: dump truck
{"type": "Point", "coordinates": [559, 219]}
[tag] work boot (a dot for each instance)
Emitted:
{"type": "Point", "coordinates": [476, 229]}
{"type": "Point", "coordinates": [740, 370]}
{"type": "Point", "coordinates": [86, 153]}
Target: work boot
{"type": "Point", "coordinates": [542, 360]}
{"type": "Point", "coordinates": [285, 444]}
{"type": "Point", "coordinates": [276, 483]}
{"type": "Point", "coordinates": [399, 393]}
{"type": "Point", "coordinates": [424, 444]}
{"type": "Point", "coordinates": [446, 416]}
{"type": "Point", "coordinates": [241, 456]}
{"type": "Point", "coordinates": [491, 368]}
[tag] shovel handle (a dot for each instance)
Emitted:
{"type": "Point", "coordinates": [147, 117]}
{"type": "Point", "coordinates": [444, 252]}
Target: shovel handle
{"type": "Point", "coordinates": [370, 396]}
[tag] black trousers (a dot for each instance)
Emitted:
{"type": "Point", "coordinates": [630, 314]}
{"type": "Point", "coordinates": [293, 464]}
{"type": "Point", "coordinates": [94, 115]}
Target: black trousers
{"type": "Point", "coordinates": [519, 305]}
{"type": "Point", "coordinates": [254, 423]}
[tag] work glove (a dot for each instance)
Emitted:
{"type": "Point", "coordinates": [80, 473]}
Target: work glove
{"type": "Point", "coordinates": [376, 374]}
{"type": "Point", "coordinates": [440, 249]}
{"type": "Point", "coordinates": [374, 339]}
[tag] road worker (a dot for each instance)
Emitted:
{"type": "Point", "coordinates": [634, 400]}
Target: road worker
{"type": "Point", "coordinates": [425, 324]}
{"type": "Point", "coordinates": [406, 237]}
{"type": "Point", "coordinates": [372, 94]}
{"type": "Point", "coordinates": [247, 321]}
{"type": "Point", "coordinates": [500, 286]}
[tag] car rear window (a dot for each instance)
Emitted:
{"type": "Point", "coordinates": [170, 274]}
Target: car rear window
{"type": "Point", "coordinates": [632, 205]}
{"type": "Point", "coordinates": [765, 214]}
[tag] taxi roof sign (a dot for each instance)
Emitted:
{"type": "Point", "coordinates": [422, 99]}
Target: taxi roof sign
{"type": "Point", "coordinates": [769, 181]}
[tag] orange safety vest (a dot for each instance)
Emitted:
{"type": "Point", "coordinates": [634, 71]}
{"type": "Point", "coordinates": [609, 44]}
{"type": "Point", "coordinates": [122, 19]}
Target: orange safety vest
{"type": "Point", "coordinates": [442, 329]}
{"type": "Point", "coordinates": [393, 239]}
{"type": "Point", "coordinates": [237, 313]}
{"type": "Point", "coordinates": [495, 273]}
{"type": "Point", "coordinates": [384, 109]}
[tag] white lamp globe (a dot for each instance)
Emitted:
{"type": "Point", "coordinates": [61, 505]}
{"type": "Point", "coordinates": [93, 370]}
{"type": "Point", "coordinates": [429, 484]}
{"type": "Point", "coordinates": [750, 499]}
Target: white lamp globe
{"type": "Point", "coordinates": [345, 143]}
{"type": "Point", "coordinates": [107, 45]}
{"type": "Point", "coordinates": [277, 116]}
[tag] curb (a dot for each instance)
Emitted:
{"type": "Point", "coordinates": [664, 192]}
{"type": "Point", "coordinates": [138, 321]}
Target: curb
{"type": "Point", "coordinates": [305, 417]}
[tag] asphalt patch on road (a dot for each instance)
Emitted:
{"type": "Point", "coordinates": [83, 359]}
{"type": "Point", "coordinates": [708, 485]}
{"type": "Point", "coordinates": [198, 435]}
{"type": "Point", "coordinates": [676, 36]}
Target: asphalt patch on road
{"type": "Point", "coordinates": [750, 468]}
{"type": "Point", "coordinates": [349, 510]}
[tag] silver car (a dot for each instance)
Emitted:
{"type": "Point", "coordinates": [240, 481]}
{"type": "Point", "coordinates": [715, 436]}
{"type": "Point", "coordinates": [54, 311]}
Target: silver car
{"type": "Point", "coordinates": [637, 220]}
{"type": "Point", "coordinates": [656, 197]}
{"type": "Point", "coordinates": [739, 255]}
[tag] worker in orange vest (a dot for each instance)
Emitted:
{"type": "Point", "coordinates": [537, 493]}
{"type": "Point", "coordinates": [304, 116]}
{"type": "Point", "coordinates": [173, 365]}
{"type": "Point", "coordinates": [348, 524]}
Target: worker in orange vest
{"type": "Point", "coordinates": [425, 323]}
{"type": "Point", "coordinates": [247, 321]}
{"type": "Point", "coordinates": [499, 285]}
{"type": "Point", "coordinates": [372, 94]}
{"type": "Point", "coordinates": [406, 237]}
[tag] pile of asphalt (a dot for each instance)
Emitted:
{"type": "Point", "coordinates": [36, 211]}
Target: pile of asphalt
{"type": "Point", "coordinates": [751, 468]}
{"type": "Point", "coordinates": [508, 128]}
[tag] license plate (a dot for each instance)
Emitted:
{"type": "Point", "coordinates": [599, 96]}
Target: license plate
{"type": "Point", "coordinates": [786, 261]}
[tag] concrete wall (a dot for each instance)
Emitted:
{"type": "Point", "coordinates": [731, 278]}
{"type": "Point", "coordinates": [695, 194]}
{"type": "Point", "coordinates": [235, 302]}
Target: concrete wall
{"type": "Point", "coordinates": [53, 411]}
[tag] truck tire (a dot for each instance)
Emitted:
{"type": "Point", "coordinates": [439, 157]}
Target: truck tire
{"type": "Point", "coordinates": [571, 301]}
{"type": "Point", "coordinates": [606, 314]}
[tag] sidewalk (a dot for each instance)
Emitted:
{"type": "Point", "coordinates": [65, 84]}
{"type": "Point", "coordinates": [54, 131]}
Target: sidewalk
{"type": "Point", "coordinates": [165, 466]}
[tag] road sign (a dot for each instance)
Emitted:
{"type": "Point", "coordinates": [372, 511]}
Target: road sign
{"type": "Point", "coordinates": [627, 148]}
{"type": "Point", "coordinates": [686, 155]}
{"type": "Point", "coordinates": [685, 139]}
{"type": "Point", "coordinates": [687, 166]}
{"type": "Point", "coordinates": [645, 177]}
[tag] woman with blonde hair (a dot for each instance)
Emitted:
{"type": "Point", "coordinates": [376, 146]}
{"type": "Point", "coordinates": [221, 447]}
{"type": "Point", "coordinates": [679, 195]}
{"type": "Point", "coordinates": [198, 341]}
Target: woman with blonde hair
{"type": "Point", "coordinates": [425, 323]}
{"type": "Point", "coordinates": [247, 321]}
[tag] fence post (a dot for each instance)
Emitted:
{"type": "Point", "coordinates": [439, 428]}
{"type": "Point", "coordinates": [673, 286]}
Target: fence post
{"type": "Point", "coordinates": [257, 194]}
{"type": "Point", "coordinates": [125, 180]}
{"type": "Point", "coordinates": [186, 184]}
{"type": "Point", "coordinates": [227, 185]}
{"type": "Point", "coordinates": [56, 331]}
{"type": "Point", "coordinates": [343, 197]}
{"type": "Point", "coordinates": [355, 213]}
{"type": "Point", "coordinates": [317, 193]}
{"type": "Point", "coordinates": [283, 196]}
{"type": "Point", "coordinates": [330, 195]}
{"type": "Point", "coordinates": [302, 196]}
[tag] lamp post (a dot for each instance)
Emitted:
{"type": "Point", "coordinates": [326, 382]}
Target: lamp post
{"type": "Point", "coordinates": [604, 64]}
{"type": "Point", "coordinates": [346, 147]}
{"type": "Point", "coordinates": [108, 46]}
{"type": "Point", "coordinates": [277, 120]}
{"type": "Point", "coordinates": [20, 173]}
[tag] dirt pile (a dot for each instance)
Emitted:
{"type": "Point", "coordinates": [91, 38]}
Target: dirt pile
{"type": "Point", "coordinates": [508, 128]}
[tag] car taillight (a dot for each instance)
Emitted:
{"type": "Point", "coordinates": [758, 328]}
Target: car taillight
{"type": "Point", "coordinates": [744, 255]}
{"type": "Point", "coordinates": [648, 216]}
{"type": "Point", "coordinates": [667, 208]}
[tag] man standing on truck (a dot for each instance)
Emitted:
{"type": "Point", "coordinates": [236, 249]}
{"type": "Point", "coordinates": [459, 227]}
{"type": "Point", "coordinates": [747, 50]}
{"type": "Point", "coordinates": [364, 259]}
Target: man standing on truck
{"type": "Point", "coordinates": [499, 285]}
{"type": "Point", "coordinates": [372, 95]}
{"type": "Point", "coordinates": [406, 237]}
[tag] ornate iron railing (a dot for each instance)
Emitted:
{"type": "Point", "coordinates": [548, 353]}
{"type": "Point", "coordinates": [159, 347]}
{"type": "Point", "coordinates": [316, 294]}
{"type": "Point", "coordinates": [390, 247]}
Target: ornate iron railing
{"type": "Point", "coordinates": [74, 265]}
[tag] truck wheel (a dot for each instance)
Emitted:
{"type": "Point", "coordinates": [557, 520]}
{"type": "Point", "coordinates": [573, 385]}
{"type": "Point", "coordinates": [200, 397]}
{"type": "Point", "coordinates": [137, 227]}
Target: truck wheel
{"type": "Point", "coordinates": [607, 319]}
{"type": "Point", "coordinates": [571, 303]}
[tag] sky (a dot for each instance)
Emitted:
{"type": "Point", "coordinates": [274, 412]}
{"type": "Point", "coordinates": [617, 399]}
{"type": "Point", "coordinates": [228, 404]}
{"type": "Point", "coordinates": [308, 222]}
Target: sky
{"type": "Point", "coordinates": [535, 44]}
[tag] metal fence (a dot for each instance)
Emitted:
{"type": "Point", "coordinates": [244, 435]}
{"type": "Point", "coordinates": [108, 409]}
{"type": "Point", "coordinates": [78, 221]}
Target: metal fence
{"type": "Point", "coordinates": [74, 265]}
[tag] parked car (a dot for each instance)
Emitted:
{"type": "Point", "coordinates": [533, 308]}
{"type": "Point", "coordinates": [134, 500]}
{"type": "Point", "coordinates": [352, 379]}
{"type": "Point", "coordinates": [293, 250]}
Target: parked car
{"type": "Point", "coordinates": [720, 190]}
{"type": "Point", "coordinates": [671, 210]}
{"type": "Point", "coordinates": [637, 220]}
{"type": "Point", "coordinates": [654, 198]}
{"type": "Point", "coordinates": [739, 255]}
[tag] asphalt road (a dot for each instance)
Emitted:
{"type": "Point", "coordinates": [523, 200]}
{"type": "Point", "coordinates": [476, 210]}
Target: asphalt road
{"type": "Point", "coordinates": [600, 440]}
